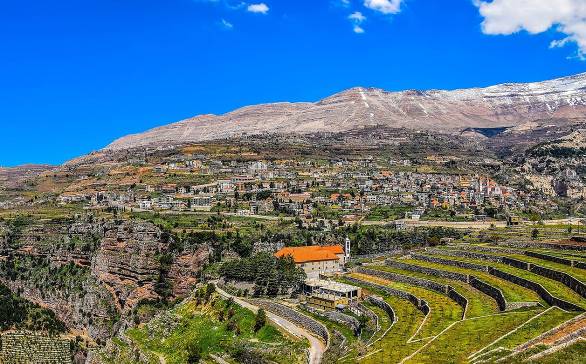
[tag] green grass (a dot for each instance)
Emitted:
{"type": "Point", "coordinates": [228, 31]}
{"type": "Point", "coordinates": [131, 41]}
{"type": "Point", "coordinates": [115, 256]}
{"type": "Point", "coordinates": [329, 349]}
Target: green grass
{"type": "Point", "coordinates": [479, 304]}
{"type": "Point", "coordinates": [573, 354]}
{"type": "Point", "coordinates": [169, 336]}
{"type": "Point", "coordinates": [444, 311]}
{"type": "Point", "coordinates": [393, 346]}
{"type": "Point", "coordinates": [554, 287]}
{"type": "Point", "coordinates": [511, 291]}
{"type": "Point", "coordinates": [547, 321]}
{"type": "Point", "coordinates": [466, 337]}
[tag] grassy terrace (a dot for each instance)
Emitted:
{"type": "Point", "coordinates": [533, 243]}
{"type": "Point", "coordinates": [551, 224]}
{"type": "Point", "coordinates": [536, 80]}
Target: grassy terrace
{"type": "Point", "coordinates": [479, 304]}
{"type": "Point", "coordinates": [577, 273]}
{"type": "Point", "coordinates": [468, 336]}
{"type": "Point", "coordinates": [444, 311]}
{"type": "Point", "coordinates": [554, 287]}
{"type": "Point", "coordinates": [511, 291]}
{"type": "Point", "coordinates": [393, 346]}
{"type": "Point", "coordinates": [549, 319]}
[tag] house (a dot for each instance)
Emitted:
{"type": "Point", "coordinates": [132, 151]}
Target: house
{"type": "Point", "coordinates": [315, 260]}
{"type": "Point", "coordinates": [329, 295]}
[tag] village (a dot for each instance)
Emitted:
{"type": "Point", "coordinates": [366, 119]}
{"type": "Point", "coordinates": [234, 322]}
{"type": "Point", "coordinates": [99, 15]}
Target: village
{"type": "Point", "coordinates": [322, 194]}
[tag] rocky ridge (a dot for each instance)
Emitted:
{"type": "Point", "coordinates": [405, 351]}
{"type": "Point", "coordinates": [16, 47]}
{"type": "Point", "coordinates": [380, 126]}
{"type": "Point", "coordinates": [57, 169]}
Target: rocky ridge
{"type": "Point", "coordinates": [506, 105]}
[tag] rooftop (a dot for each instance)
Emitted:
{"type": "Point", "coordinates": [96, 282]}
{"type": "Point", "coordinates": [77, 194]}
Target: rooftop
{"type": "Point", "coordinates": [313, 253]}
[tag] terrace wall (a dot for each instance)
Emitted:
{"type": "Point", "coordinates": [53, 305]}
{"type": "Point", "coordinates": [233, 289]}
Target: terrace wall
{"type": "Point", "coordinates": [379, 302]}
{"type": "Point", "coordinates": [297, 318]}
{"type": "Point", "coordinates": [420, 304]}
{"type": "Point", "coordinates": [541, 291]}
{"type": "Point", "coordinates": [419, 282]}
{"type": "Point", "coordinates": [454, 263]}
{"type": "Point", "coordinates": [491, 291]}
{"type": "Point", "coordinates": [425, 270]}
{"type": "Point", "coordinates": [465, 254]}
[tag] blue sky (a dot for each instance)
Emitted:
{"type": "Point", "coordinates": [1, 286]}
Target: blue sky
{"type": "Point", "coordinates": [75, 75]}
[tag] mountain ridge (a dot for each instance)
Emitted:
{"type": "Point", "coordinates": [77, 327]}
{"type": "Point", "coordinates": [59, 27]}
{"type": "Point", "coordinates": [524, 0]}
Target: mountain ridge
{"type": "Point", "coordinates": [450, 111]}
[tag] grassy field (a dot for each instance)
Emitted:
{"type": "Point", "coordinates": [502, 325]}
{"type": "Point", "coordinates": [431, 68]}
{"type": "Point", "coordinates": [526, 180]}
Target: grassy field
{"type": "Point", "coordinates": [479, 304]}
{"type": "Point", "coordinates": [547, 320]}
{"type": "Point", "coordinates": [511, 291]}
{"type": "Point", "coordinates": [169, 336]}
{"type": "Point", "coordinates": [554, 287]}
{"type": "Point", "coordinates": [443, 312]}
{"type": "Point", "coordinates": [393, 346]}
{"type": "Point", "coordinates": [465, 337]}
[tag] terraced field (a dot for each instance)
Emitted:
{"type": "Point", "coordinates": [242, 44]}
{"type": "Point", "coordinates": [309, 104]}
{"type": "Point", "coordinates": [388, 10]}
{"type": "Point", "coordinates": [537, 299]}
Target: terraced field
{"type": "Point", "coordinates": [392, 345]}
{"type": "Point", "coordinates": [511, 291]}
{"type": "Point", "coordinates": [484, 334]}
{"type": "Point", "coordinates": [555, 288]}
{"type": "Point", "coordinates": [478, 303]}
{"type": "Point", "coordinates": [443, 311]}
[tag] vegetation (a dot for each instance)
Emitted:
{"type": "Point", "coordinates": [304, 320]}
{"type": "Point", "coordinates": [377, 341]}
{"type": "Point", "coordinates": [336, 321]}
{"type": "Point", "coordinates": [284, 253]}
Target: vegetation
{"type": "Point", "coordinates": [18, 313]}
{"type": "Point", "coordinates": [271, 275]}
{"type": "Point", "coordinates": [207, 324]}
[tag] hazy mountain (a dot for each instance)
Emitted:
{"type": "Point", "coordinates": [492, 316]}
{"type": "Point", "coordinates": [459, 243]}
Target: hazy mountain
{"type": "Point", "coordinates": [505, 105]}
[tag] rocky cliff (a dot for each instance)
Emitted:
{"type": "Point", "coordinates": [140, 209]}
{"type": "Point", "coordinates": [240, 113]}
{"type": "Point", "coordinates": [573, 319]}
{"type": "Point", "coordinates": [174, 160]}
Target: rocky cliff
{"type": "Point", "coordinates": [92, 274]}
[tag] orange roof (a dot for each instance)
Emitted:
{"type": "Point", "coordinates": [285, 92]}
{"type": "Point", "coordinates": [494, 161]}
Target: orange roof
{"type": "Point", "coordinates": [314, 253]}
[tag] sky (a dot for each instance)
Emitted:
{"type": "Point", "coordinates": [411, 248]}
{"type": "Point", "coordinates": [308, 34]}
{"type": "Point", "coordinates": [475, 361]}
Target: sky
{"type": "Point", "coordinates": [75, 75]}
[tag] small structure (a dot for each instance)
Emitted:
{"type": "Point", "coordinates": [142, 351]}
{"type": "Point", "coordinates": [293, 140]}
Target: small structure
{"type": "Point", "coordinates": [330, 295]}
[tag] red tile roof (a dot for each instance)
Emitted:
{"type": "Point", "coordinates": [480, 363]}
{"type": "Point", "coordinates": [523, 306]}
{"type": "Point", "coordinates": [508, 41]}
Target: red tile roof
{"type": "Point", "coordinates": [314, 253]}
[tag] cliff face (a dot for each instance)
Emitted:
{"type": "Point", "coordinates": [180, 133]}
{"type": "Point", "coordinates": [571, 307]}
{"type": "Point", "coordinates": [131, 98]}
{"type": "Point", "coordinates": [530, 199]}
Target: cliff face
{"type": "Point", "coordinates": [93, 274]}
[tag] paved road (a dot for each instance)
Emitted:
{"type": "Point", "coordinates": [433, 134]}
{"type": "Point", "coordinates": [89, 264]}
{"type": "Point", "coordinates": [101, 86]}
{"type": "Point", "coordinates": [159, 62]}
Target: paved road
{"type": "Point", "coordinates": [317, 347]}
{"type": "Point", "coordinates": [453, 224]}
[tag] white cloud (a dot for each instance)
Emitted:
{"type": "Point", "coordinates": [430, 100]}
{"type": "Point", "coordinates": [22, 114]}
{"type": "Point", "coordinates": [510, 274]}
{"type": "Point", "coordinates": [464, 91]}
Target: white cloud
{"type": "Point", "coordinates": [261, 8]}
{"type": "Point", "coordinates": [226, 24]}
{"type": "Point", "coordinates": [384, 6]}
{"type": "Point", "coordinates": [357, 17]}
{"type": "Point", "coordinates": [537, 16]}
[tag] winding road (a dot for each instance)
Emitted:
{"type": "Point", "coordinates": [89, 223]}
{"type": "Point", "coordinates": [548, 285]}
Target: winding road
{"type": "Point", "coordinates": [317, 347]}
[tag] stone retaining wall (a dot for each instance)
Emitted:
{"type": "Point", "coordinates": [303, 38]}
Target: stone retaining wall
{"type": "Point", "coordinates": [425, 270]}
{"type": "Point", "coordinates": [569, 281]}
{"type": "Point", "coordinates": [465, 254]}
{"type": "Point", "coordinates": [420, 304]}
{"type": "Point", "coordinates": [346, 320]}
{"type": "Point", "coordinates": [384, 305]}
{"type": "Point", "coordinates": [491, 291]}
{"type": "Point", "coordinates": [556, 275]}
{"type": "Point", "coordinates": [419, 282]}
{"type": "Point", "coordinates": [297, 318]}
{"type": "Point", "coordinates": [534, 244]}
{"type": "Point", "coordinates": [454, 263]}
{"type": "Point", "coordinates": [365, 311]}
{"type": "Point", "coordinates": [551, 258]}
{"type": "Point", "coordinates": [548, 333]}
{"type": "Point", "coordinates": [538, 288]}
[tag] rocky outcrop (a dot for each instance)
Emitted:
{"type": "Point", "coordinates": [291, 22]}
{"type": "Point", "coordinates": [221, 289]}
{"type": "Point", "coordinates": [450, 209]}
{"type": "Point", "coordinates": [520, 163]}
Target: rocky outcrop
{"type": "Point", "coordinates": [92, 274]}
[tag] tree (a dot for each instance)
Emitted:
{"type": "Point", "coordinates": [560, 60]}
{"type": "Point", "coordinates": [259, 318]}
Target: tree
{"type": "Point", "coordinates": [193, 354]}
{"type": "Point", "coordinates": [260, 320]}
{"type": "Point", "coordinates": [534, 233]}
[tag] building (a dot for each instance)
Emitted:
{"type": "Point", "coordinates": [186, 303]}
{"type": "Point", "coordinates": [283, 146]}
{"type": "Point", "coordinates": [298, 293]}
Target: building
{"type": "Point", "coordinates": [330, 295]}
{"type": "Point", "coordinates": [316, 260]}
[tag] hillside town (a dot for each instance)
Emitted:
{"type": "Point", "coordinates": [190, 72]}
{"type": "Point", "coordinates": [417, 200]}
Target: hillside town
{"type": "Point", "coordinates": [324, 192]}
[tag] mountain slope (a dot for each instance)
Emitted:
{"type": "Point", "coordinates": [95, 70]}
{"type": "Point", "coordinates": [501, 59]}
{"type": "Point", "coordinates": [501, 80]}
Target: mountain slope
{"type": "Point", "coordinates": [448, 111]}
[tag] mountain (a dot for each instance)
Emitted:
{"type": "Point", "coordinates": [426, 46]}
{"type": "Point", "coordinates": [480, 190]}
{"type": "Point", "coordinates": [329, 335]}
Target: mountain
{"type": "Point", "coordinates": [505, 105]}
